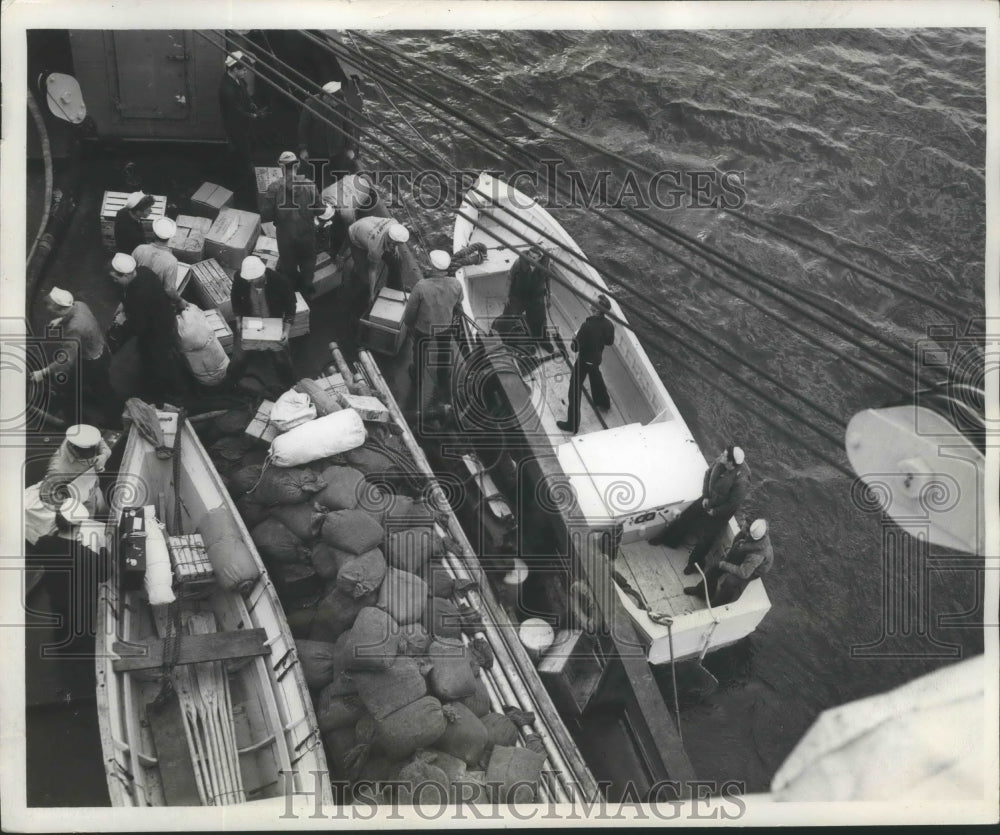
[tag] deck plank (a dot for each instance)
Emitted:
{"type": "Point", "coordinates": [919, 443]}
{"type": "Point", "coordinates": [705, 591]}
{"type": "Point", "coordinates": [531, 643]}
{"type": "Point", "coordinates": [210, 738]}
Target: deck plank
{"type": "Point", "coordinates": [218, 646]}
{"type": "Point", "coordinates": [658, 572]}
{"type": "Point", "coordinates": [173, 753]}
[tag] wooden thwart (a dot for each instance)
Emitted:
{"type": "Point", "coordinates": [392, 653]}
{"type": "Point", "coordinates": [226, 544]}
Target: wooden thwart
{"type": "Point", "coordinates": [194, 649]}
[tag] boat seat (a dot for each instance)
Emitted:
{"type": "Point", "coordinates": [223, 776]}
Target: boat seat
{"type": "Point", "coordinates": [193, 649]}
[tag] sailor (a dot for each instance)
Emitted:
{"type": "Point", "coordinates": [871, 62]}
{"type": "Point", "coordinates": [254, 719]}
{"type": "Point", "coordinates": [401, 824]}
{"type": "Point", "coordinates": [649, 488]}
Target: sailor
{"type": "Point", "coordinates": [375, 240]}
{"type": "Point", "coordinates": [148, 314]}
{"type": "Point", "coordinates": [128, 222]}
{"type": "Point", "coordinates": [293, 204]}
{"type": "Point", "coordinates": [239, 114]}
{"type": "Point", "coordinates": [158, 258]}
{"type": "Point", "coordinates": [326, 131]}
{"type": "Point", "coordinates": [595, 334]}
{"type": "Point", "coordinates": [86, 356]}
{"type": "Point", "coordinates": [268, 294]}
{"type": "Point", "coordinates": [430, 311]}
{"type": "Point", "coordinates": [351, 198]}
{"type": "Point", "coordinates": [750, 556]}
{"type": "Point", "coordinates": [725, 486]}
{"type": "Point", "coordinates": [71, 570]}
{"type": "Point", "coordinates": [82, 449]}
{"type": "Point", "coordinates": [528, 294]}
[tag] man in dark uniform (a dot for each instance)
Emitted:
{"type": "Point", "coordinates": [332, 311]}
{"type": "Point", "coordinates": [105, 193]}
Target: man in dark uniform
{"type": "Point", "coordinates": [128, 222]}
{"type": "Point", "coordinates": [239, 113]}
{"type": "Point", "coordinates": [750, 556]}
{"type": "Point", "coordinates": [726, 484]}
{"type": "Point", "coordinates": [148, 314]}
{"type": "Point", "coordinates": [529, 293]}
{"type": "Point", "coordinates": [258, 291]}
{"type": "Point", "coordinates": [595, 334]}
{"type": "Point", "coordinates": [326, 132]}
{"type": "Point", "coordinates": [294, 205]}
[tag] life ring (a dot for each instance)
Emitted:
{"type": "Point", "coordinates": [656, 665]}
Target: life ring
{"type": "Point", "coordinates": [582, 606]}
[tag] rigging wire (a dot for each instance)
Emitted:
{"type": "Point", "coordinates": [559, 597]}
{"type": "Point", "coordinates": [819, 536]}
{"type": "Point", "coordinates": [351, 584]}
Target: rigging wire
{"type": "Point", "coordinates": [958, 316]}
{"type": "Point", "coordinates": [636, 310]}
{"type": "Point", "coordinates": [695, 245]}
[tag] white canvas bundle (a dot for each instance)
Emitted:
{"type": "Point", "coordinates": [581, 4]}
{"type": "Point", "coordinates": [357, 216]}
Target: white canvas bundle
{"type": "Point", "coordinates": [292, 409]}
{"type": "Point", "coordinates": [320, 438]}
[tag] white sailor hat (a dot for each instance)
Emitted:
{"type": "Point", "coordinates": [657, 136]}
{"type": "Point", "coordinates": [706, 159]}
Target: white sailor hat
{"type": "Point", "coordinates": [328, 213]}
{"type": "Point", "coordinates": [84, 436]}
{"type": "Point", "coordinates": [399, 233]}
{"type": "Point", "coordinates": [252, 267]}
{"type": "Point", "coordinates": [164, 228]}
{"type": "Point", "coordinates": [234, 57]}
{"type": "Point", "coordinates": [440, 259]}
{"type": "Point", "coordinates": [735, 454]}
{"type": "Point", "coordinates": [123, 263]}
{"type": "Point", "coordinates": [758, 528]}
{"type": "Point", "coordinates": [332, 87]}
{"type": "Point", "coordinates": [61, 298]}
{"type": "Point", "coordinates": [133, 199]}
{"type": "Point", "coordinates": [287, 158]}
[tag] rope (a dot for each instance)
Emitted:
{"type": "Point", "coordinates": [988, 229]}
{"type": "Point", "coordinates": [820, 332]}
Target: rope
{"type": "Point", "coordinates": [181, 415]}
{"type": "Point", "coordinates": [673, 678]}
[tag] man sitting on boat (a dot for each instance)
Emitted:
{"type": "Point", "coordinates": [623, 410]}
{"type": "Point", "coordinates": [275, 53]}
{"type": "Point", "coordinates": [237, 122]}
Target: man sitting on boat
{"type": "Point", "coordinates": [726, 484]}
{"type": "Point", "coordinates": [750, 556]}
{"type": "Point", "coordinates": [528, 295]}
{"type": "Point", "coordinates": [81, 450]}
{"type": "Point", "coordinates": [430, 310]}
{"type": "Point", "coordinates": [595, 334]}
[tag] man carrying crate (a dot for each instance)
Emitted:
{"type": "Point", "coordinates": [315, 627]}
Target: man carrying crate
{"type": "Point", "coordinates": [262, 294]}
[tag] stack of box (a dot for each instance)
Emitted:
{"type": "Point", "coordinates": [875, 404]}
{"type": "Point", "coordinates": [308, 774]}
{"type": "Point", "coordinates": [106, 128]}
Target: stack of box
{"type": "Point", "coordinates": [188, 242]}
{"type": "Point", "coordinates": [261, 426]}
{"type": "Point", "coordinates": [382, 330]}
{"type": "Point", "coordinates": [210, 199]}
{"type": "Point", "coordinates": [300, 325]}
{"type": "Point", "coordinates": [327, 276]}
{"type": "Point", "coordinates": [266, 249]}
{"type": "Point", "coordinates": [114, 201]}
{"type": "Point", "coordinates": [220, 326]}
{"type": "Point", "coordinates": [265, 176]}
{"type": "Point", "coordinates": [261, 334]}
{"type": "Point", "coordinates": [193, 573]}
{"type": "Point", "coordinates": [212, 287]}
{"type": "Point", "coordinates": [232, 237]}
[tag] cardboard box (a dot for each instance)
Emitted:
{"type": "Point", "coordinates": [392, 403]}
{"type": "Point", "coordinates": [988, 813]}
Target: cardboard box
{"type": "Point", "coordinates": [112, 202]}
{"type": "Point", "coordinates": [232, 237]}
{"type": "Point", "coordinates": [188, 242]}
{"type": "Point", "coordinates": [370, 408]}
{"type": "Point", "coordinates": [183, 277]}
{"type": "Point", "coordinates": [265, 176]}
{"type": "Point", "coordinates": [300, 325]}
{"type": "Point", "coordinates": [382, 330]}
{"type": "Point", "coordinates": [210, 199]}
{"type": "Point", "coordinates": [329, 274]}
{"type": "Point", "coordinates": [212, 287]}
{"type": "Point", "coordinates": [220, 326]}
{"type": "Point", "coordinates": [261, 334]}
{"type": "Point", "coordinates": [333, 383]}
{"type": "Point", "coordinates": [266, 249]}
{"type": "Point", "coordinates": [261, 427]}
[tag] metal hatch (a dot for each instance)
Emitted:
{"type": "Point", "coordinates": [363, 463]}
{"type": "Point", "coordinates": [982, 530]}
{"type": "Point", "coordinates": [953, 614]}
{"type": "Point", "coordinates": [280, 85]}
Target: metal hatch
{"type": "Point", "coordinates": [150, 73]}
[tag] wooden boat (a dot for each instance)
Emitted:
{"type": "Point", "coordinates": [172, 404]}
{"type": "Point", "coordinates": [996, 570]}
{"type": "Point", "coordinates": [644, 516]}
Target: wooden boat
{"type": "Point", "coordinates": [628, 470]}
{"type": "Point", "coordinates": [237, 723]}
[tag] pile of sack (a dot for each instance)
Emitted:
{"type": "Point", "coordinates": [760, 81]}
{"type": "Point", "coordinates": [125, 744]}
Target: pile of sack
{"type": "Point", "coordinates": [356, 557]}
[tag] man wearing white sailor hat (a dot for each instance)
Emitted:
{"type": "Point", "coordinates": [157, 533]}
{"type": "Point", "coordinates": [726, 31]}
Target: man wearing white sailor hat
{"type": "Point", "coordinates": [86, 353]}
{"type": "Point", "coordinates": [374, 240]}
{"type": "Point", "coordinates": [128, 221]}
{"type": "Point", "coordinates": [240, 114]}
{"type": "Point", "coordinates": [159, 259]}
{"type": "Point", "coordinates": [750, 556]}
{"type": "Point", "coordinates": [327, 132]}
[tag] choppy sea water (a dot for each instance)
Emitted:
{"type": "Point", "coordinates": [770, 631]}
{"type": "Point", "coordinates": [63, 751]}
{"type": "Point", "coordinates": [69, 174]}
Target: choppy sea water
{"type": "Point", "coordinates": [868, 143]}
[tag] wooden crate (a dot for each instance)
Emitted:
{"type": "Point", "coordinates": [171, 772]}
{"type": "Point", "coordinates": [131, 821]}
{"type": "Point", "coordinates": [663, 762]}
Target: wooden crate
{"type": "Point", "coordinates": [220, 326]}
{"type": "Point", "coordinates": [329, 274]}
{"type": "Point", "coordinates": [232, 237]}
{"type": "Point", "coordinates": [112, 202]}
{"type": "Point", "coordinates": [192, 570]}
{"type": "Point", "coordinates": [382, 330]}
{"type": "Point", "coordinates": [210, 199]}
{"type": "Point", "coordinates": [265, 176]}
{"type": "Point", "coordinates": [300, 325]}
{"type": "Point", "coordinates": [212, 287]}
{"type": "Point", "coordinates": [370, 408]}
{"type": "Point", "coordinates": [261, 427]}
{"type": "Point", "coordinates": [261, 334]}
{"type": "Point", "coordinates": [266, 249]}
{"type": "Point", "coordinates": [188, 242]}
